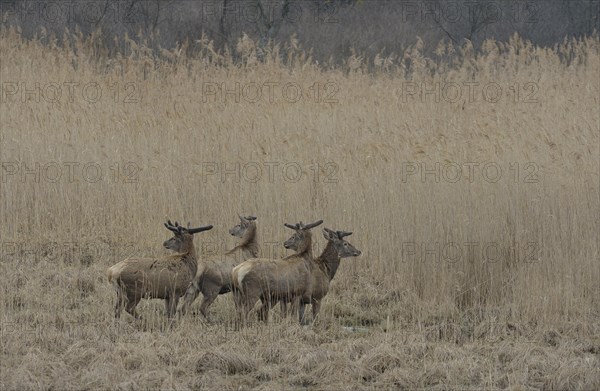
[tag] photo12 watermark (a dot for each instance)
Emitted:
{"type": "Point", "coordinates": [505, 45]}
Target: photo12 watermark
{"type": "Point", "coordinates": [87, 330]}
{"type": "Point", "coordinates": [471, 12]}
{"type": "Point", "coordinates": [470, 172]}
{"type": "Point", "coordinates": [271, 11]}
{"type": "Point", "coordinates": [87, 253]}
{"type": "Point", "coordinates": [462, 252]}
{"type": "Point", "coordinates": [83, 12]}
{"type": "Point", "coordinates": [269, 92]}
{"type": "Point", "coordinates": [468, 92]}
{"type": "Point", "coordinates": [221, 249]}
{"type": "Point", "coordinates": [271, 172]}
{"type": "Point", "coordinates": [69, 92]}
{"type": "Point", "coordinates": [83, 253]}
{"type": "Point", "coordinates": [69, 172]}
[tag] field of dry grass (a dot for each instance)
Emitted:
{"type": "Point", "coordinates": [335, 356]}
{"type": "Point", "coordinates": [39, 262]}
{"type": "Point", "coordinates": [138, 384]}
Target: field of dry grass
{"type": "Point", "coordinates": [470, 181]}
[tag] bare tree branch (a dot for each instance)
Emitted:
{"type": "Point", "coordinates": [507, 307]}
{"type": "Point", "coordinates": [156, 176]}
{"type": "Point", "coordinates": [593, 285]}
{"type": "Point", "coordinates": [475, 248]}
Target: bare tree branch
{"type": "Point", "coordinates": [444, 30]}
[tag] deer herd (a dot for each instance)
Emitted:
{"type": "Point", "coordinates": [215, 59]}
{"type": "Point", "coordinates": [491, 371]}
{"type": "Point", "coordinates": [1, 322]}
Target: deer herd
{"type": "Point", "coordinates": [298, 279]}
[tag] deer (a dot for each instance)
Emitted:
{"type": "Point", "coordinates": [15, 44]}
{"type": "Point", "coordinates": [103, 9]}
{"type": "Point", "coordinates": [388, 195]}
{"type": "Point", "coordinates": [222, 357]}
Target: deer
{"type": "Point", "coordinates": [157, 278]}
{"type": "Point", "coordinates": [327, 265]}
{"type": "Point", "coordinates": [273, 280]}
{"type": "Point", "coordinates": [213, 277]}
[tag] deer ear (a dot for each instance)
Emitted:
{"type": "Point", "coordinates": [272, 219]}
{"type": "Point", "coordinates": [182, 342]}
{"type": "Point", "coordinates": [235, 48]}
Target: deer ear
{"type": "Point", "coordinates": [343, 234]}
{"type": "Point", "coordinates": [328, 234]}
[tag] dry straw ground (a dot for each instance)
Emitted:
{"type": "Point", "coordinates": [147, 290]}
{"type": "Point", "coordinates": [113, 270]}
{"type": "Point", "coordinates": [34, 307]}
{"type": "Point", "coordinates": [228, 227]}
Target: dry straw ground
{"type": "Point", "coordinates": [488, 281]}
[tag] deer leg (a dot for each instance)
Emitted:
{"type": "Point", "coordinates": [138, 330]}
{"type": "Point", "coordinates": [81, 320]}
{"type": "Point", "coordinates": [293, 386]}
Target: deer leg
{"type": "Point", "coordinates": [207, 300]}
{"type": "Point", "coordinates": [301, 308]}
{"type": "Point", "coordinates": [283, 308]}
{"type": "Point", "coordinates": [242, 308]}
{"type": "Point", "coordinates": [239, 309]}
{"type": "Point", "coordinates": [294, 305]}
{"type": "Point", "coordinates": [247, 305]}
{"type": "Point", "coordinates": [263, 312]}
{"type": "Point", "coordinates": [316, 307]}
{"type": "Point", "coordinates": [167, 306]}
{"type": "Point", "coordinates": [272, 301]}
{"type": "Point", "coordinates": [172, 306]}
{"type": "Point", "coordinates": [191, 294]}
{"type": "Point", "coordinates": [132, 302]}
{"type": "Point", "coordinates": [119, 305]}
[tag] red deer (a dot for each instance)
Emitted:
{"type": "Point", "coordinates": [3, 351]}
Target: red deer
{"type": "Point", "coordinates": [327, 265]}
{"type": "Point", "coordinates": [273, 280]}
{"type": "Point", "coordinates": [157, 278]}
{"type": "Point", "coordinates": [213, 277]}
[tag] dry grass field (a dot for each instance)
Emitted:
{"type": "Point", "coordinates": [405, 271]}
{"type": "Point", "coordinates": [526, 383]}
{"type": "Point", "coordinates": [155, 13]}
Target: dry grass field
{"type": "Point", "coordinates": [470, 181]}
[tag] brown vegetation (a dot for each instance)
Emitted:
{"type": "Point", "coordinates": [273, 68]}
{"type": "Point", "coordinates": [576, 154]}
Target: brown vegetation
{"type": "Point", "coordinates": [489, 311]}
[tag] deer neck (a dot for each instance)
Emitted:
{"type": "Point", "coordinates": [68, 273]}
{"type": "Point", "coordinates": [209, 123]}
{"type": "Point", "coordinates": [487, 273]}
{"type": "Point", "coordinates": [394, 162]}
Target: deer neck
{"type": "Point", "coordinates": [190, 258]}
{"type": "Point", "coordinates": [248, 246]}
{"type": "Point", "coordinates": [330, 260]}
{"type": "Point", "coordinates": [307, 254]}
{"type": "Point", "coordinates": [250, 250]}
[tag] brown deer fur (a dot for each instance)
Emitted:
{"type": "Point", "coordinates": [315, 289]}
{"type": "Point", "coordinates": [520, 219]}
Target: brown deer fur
{"type": "Point", "coordinates": [327, 265]}
{"type": "Point", "coordinates": [272, 280]}
{"type": "Point", "coordinates": [158, 278]}
{"type": "Point", "coordinates": [213, 277]}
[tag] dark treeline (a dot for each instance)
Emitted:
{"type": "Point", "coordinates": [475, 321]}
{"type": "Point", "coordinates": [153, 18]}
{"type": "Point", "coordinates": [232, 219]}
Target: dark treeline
{"type": "Point", "coordinates": [332, 29]}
